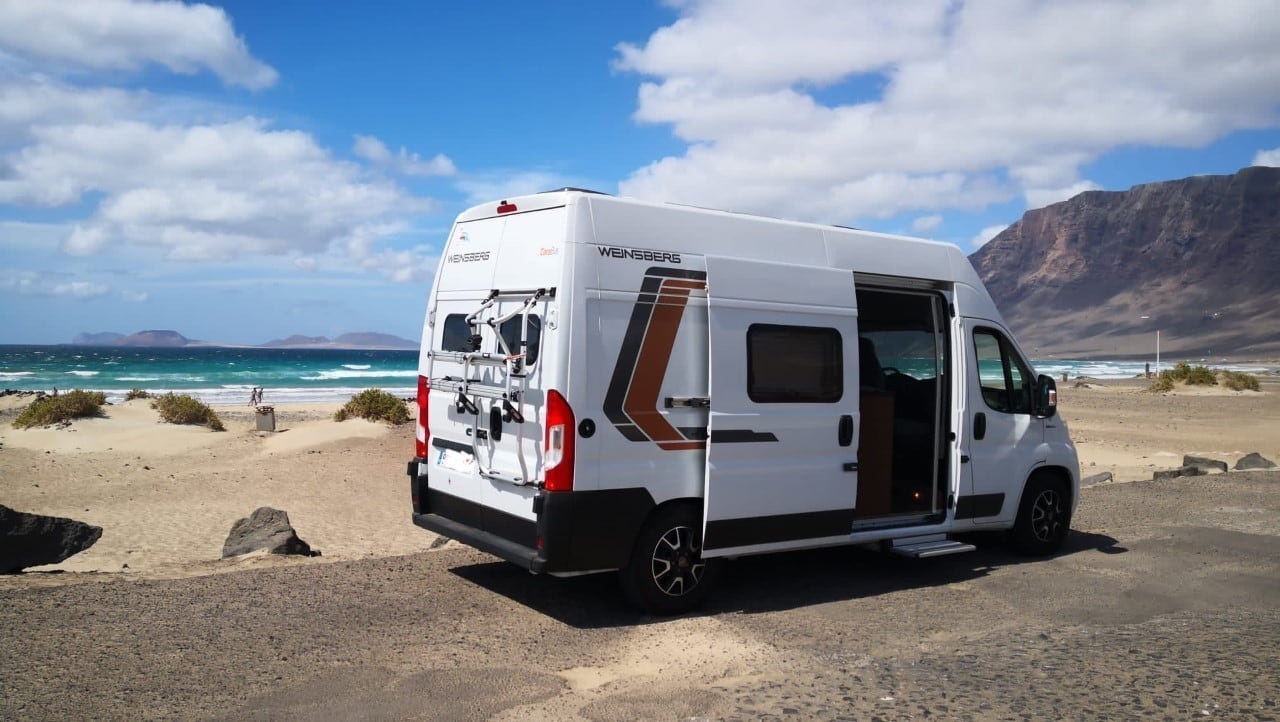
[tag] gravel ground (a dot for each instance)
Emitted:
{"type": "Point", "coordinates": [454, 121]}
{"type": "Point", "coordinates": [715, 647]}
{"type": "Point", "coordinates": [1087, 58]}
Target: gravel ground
{"type": "Point", "coordinates": [1163, 606]}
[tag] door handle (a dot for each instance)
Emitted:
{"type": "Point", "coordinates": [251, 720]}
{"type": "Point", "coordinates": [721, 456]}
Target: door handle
{"type": "Point", "coordinates": [979, 426]}
{"type": "Point", "coordinates": [845, 431]}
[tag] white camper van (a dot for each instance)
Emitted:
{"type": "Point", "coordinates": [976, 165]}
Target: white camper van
{"type": "Point", "coordinates": [609, 384]}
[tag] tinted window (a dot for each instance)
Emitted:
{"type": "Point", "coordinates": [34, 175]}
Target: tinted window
{"type": "Point", "coordinates": [794, 364]}
{"type": "Point", "coordinates": [455, 333]}
{"type": "Point", "coordinates": [511, 334]}
{"type": "Point", "coordinates": [1005, 378]}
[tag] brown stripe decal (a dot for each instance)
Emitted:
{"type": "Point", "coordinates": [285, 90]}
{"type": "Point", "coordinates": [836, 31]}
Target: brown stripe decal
{"type": "Point", "coordinates": [644, 357]}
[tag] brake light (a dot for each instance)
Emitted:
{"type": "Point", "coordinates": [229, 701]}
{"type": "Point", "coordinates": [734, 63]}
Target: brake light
{"type": "Point", "coordinates": [424, 430]}
{"type": "Point", "coordinates": [558, 459]}
{"type": "Point", "coordinates": [505, 207]}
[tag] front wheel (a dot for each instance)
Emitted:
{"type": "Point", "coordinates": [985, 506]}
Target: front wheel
{"type": "Point", "coordinates": [667, 574]}
{"type": "Point", "coordinates": [1044, 516]}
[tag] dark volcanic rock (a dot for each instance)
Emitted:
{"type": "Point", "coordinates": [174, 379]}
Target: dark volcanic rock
{"type": "Point", "coordinates": [28, 540]}
{"type": "Point", "coordinates": [1175, 473]}
{"type": "Point", "coordinates": [267, 529]}
{"type": "Point", "coordinates": [1197, 256]}
{"type": "Point", "coordinates": [1254, 461]}
{"type": "Point", "coordinates": [1204, 464]}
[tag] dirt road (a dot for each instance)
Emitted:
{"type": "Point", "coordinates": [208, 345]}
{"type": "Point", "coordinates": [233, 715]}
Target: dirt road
{"type": "Point", "coordinates": [1165, 605]}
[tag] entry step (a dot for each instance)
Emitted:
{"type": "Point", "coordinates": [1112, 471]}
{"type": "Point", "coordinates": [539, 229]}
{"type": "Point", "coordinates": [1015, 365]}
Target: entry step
{"type": "Point", "coordinates": [923, 547]}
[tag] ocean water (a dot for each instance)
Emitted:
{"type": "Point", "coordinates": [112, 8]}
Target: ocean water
{"type": "Point", "coordinates": [227, 375]}
{"type": "Point", "coordinates": [220, 376]}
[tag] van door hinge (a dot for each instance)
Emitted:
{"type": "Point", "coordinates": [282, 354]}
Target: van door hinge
{"type": "Point", "coordinates": [951, 307]}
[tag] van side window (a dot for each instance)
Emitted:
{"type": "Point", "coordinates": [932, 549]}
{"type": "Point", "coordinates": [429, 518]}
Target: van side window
{"type": "Point", "coordinates": [511, 334]}
{"type": "Point", "coordinates": [1004, 376]}
{"type": "Point", "coordinates": [454, 337]}
{"type": "Point", "coordinates": [794, 364]}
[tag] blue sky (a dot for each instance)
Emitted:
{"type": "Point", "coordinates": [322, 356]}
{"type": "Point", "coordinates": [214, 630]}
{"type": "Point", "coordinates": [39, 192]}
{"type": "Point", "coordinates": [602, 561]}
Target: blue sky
{"type": "Point", "coordinates": [248, 170]}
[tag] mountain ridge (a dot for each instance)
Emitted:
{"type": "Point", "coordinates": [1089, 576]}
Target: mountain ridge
{"type": "Point", "coordinates": [1196, 259]}
{"type": "Point", "coordinates": [173, 339]}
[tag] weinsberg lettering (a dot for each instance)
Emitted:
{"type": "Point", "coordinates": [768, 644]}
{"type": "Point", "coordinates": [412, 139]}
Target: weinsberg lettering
{"type": "Point", "coordinates": [637, 254]}
{"type": "Point", "coordinates": [469, 257]}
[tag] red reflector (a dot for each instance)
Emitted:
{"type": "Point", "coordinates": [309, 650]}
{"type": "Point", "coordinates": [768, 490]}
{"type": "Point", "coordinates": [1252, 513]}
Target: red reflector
{"type": "Point", "coordinates": [506, 207]}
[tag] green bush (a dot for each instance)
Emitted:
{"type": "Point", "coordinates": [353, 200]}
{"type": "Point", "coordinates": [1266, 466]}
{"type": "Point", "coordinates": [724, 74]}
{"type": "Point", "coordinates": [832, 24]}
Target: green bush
{"type": "Point", "coordinates": [1192, 375]}
{"type": "Point", "coordinates": [375, 405]}
{"type": "Point", "coordinates": [49, 410]}
{"type": "Point", "coordinates": [1161, 384]}
{"type": "Point", "coordinates": [183, 409]}
{"type": "Point", "coordinates": [136, 394]}
{"type": "Point", "coordinates": [1237, 381]}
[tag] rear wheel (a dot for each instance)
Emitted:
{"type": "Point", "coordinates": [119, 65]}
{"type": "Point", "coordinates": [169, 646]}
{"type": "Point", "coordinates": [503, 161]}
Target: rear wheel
{"type": "Point", "coordinates": [667, 574]}
{"type": "Point", "coordinates": [1044, 516]}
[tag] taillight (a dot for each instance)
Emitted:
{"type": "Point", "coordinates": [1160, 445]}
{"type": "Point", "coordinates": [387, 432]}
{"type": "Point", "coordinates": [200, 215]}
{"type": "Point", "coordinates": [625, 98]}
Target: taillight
{"type": "Point", "coordinates": [506, 207]}
{"type": "Point", "coordinates": [559, 444]}
{"type": "Point", "coordinates": [424, 431]}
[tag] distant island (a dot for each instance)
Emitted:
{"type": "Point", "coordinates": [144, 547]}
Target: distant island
{"type": "Point", "coordinates": [173, 339]}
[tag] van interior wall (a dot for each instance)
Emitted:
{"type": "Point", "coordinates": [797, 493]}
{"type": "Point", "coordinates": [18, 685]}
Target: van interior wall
{"type": "Point", "coordinates": [901, 344]}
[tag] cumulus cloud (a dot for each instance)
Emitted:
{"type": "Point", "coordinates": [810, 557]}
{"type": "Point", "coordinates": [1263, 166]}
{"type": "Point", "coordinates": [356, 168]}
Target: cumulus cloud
{"type": "Point", "coordinates": [1041, 197]}
{"type": "Point", "coordinates": [30, 283]}
{"type": "Point", "coordinates": [986, 234]}
{"type": "Point", "coordinates": [189, 179]}
{"type": "Point", "coordinates": [924, 224]}
{"type": "Point", "coordinates": [128, 35]}
{"type": "Point", "coordinates": [836, 112]}
{"type": "Point", "coordinates": [202, 192]}
{"type": "Point", "coordinates": [1267, 158]}
{"type": "Point", "coordinates": [404, 162]}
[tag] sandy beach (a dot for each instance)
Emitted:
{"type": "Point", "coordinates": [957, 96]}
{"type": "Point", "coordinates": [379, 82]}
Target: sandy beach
{"type": "Point", "coordinates": [1162, 604]}
{"type": "Point", "coordinates": [166, 496]}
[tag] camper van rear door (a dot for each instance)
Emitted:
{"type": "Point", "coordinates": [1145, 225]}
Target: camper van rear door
{"type": "Point", "coordinates": [783, 345]}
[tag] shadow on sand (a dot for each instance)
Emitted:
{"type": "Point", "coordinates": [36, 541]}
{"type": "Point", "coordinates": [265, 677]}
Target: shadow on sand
{"type": "Point", "coordinates": [795, 579]}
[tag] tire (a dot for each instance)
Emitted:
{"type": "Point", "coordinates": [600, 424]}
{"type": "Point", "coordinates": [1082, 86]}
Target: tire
{"type": "Point", "coordinates": [1044, 516]}
{"type": "Point", "coordinates": [667, 574]}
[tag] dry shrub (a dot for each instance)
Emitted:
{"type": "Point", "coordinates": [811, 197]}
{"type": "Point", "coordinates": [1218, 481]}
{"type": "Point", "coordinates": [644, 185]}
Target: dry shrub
{"type": "Point", "coordinates": [374, 405]}
{"type": "Point", "coordinates": [183, 409]}
{"type": "Point", "coordinates": [49, 410]}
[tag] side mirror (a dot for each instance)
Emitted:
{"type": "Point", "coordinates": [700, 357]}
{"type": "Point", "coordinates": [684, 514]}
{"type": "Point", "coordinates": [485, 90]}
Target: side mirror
{"type": "Point", "coordinates": [1046, 397]}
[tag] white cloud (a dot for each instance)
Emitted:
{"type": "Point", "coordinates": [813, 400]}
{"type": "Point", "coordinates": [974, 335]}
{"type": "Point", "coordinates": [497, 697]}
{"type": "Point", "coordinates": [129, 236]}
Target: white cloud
{"type": "Point", "coordinates": [135, 296]}
{"type": "Point", "coordinates": [497, 185]}
{"type": "Point", "coordinates": [984, 235]}
{"type": "Point", "coordinates": [30, 283]}
{"type": "Point", "coordinates": [939, 105]}
{"type": "Point", "coordinates": [1267, 158]}
{"type": "Point", "coordinates": [128, 35]}
{"type": "Point", "coordinates": [924, 224]}
{"type": "Point", "coordinates": [203, 192]}
{"type": "Point", "coordinates": [404, 162]}
{"type": "Point", "coordinates": [1041, 197]}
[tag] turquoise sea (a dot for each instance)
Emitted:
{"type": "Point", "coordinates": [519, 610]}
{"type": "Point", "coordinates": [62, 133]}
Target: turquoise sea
{"type": "Point", "coordinates": [218, 375]}
{"type": "Point", "coordinates": [214, 375]}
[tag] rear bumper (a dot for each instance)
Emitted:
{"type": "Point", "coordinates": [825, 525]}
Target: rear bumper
{"type": "Point", "coordinates": [572, 531]}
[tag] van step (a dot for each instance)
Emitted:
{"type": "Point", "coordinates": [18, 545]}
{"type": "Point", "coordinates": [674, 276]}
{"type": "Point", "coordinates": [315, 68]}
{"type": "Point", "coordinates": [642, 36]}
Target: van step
{"type": "Point", "coordinates": [921, 549]}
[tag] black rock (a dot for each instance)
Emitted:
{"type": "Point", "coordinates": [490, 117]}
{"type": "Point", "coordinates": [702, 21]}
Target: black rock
{"type": "Point", "coordinates": [1175, 473]}
{"type": "Point", "coordinates": [28, 540]}
{"type": "Point", "coordinates": [267, 529]}
{"type": "Point", "coordinates": [1254, 461]}
{"type": "Point", "coordinates": [1204, 464]}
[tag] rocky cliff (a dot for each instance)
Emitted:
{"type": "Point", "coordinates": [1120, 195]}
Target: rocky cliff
{"type": "Point", "coordinates": [1199, 257]}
